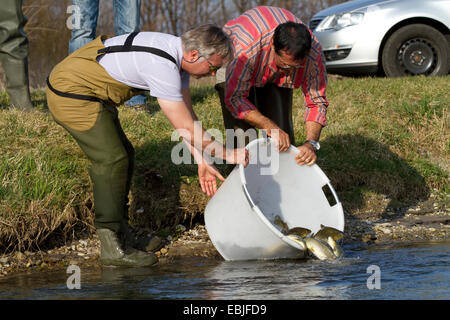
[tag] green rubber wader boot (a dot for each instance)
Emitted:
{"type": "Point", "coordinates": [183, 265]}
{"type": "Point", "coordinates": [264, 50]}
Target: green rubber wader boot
{"type": "Point", "coordinates": [139, 242]}
{"type": "Point", "coordinates": [112, 253]}
{"type": "Point", "coordinates": [16, 71]}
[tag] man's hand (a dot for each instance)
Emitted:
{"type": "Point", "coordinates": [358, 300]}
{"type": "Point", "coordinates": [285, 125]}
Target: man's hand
{"type": "Point", "coordinates": [258, 120]}
{"type": "Point", "coordinates": [307, 155]}
{"type": "Point", "coordinates": [280, 138]}
{"type": "Point", "coordinates": [208, 175]}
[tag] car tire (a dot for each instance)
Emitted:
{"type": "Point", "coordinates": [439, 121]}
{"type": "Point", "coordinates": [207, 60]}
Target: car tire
{"type": "Point", "coordinates": [416, 49]}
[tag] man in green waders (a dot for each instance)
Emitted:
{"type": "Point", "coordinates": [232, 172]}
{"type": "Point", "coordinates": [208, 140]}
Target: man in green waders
{"type": "Point", "coordinates": [84, 90]}
{"type": "Point", "coordinates": [14, 53]}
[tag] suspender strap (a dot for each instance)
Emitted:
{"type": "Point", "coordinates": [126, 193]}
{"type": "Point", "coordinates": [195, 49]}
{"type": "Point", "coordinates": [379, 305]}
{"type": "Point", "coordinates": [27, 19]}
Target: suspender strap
{"type": "Point", "coordinates": [73, 95]}
{"type": "Point", "coordinates": [129, 41]}
{"type": "Point", "coordinates": [128, 47]}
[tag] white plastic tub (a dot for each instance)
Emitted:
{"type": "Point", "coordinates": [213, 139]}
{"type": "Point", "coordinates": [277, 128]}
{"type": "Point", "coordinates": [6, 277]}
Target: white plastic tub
{"type": "Point", "coordinates": [240, 217]}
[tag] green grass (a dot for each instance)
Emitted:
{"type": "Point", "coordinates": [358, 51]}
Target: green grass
{"type": "Point", "coordinates": [389, 136]}
{"type": "Point", "coordinates": [385, 139]}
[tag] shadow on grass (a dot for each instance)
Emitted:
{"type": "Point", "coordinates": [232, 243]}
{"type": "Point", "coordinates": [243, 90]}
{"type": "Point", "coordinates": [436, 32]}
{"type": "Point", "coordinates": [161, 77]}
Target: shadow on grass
{"type": "Point", "coordinates": [199, 94]}
{"type": "Point", "coordinates": [361, 168]}
{"type": "Point", "coordinates": [152, 105]}
{"type": "Point", "coordinates": [164, 194]}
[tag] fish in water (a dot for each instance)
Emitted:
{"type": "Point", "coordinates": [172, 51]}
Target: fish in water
{"type": "Point", "coordinates": [337, 250]}
{"type": "Point", "coordinates": [299, 231]}
{"type": "Point", "coordinates": [299, 240]}
{"type": "Point", "coordinates": [322, 244]}
{"type": "Point", "coordinates": [319, 249]}
{"type": "Point", "coordinates": [326, 232]}
{"type": "Point", "coordinates": [330, 236]}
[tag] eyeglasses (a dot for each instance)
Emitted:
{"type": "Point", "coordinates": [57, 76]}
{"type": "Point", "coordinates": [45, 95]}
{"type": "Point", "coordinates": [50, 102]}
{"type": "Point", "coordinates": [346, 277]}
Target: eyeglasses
{"type": "Point", "coordinates": [212, 68]}
{"type": "Point", "coordinates": [283, 65]}
{"type": "Point", "coordinates": [286, 66]}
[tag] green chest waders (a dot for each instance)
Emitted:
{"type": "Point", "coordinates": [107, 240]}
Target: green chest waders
{"type": "Point", "coordinates": [82, 98]}
{"type": "Point", "coordinates": [14, 54]}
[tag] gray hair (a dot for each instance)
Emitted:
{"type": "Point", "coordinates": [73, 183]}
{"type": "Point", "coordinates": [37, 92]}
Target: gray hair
{"type": "Point", "coordinates": [208, 39]}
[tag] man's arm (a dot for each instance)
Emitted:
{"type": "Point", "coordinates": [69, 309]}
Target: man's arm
{"type": "Point", "coordinates": [181, 118]}
{"type": "Point", "coordinates": [314, 90]}
{"type": "Point", "coordinates": [188, 102]}
{"type": "Point", "coordinates": [207, 172]}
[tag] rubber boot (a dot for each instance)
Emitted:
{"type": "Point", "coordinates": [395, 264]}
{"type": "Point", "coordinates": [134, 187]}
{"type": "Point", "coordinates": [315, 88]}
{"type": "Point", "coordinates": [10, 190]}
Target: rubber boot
{"type": "Point", "coordinates": [140, 242]}
{"type": "Point", "coordinates": [113, 254]}
{"type": "Point", "coordinates": [16, 71]}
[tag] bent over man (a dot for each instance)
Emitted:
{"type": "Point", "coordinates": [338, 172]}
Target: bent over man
{"type": "Point", "coordinates": [275, 53]}
{"type": "Point", "coordinates": [84, 90]}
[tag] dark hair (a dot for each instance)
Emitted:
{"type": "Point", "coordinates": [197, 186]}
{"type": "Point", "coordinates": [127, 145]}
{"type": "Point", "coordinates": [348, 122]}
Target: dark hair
{"type": "Point", "coordinates": [293, 37]}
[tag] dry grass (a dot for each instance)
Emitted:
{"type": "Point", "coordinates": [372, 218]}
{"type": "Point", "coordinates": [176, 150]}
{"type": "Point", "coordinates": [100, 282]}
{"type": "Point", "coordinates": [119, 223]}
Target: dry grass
{"type": "Point", "coordinates": [43, 187]}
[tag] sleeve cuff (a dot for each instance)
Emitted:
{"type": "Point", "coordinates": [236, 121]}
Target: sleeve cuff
{"type": "Point", "coordinates": [316, 114]}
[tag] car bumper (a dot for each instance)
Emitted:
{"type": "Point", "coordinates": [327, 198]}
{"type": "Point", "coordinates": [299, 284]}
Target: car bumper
{"type": "Point", "coordinates": [349, 49]}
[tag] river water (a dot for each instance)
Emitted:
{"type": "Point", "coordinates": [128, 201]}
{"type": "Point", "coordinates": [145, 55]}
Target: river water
{"type": "Point", "coordinates": [413, 271]}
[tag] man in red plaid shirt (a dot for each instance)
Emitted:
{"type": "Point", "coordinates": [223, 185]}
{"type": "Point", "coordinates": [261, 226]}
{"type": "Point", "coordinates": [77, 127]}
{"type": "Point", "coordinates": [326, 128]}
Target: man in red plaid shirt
{"type": "Point", "coordinates": [274, 54]}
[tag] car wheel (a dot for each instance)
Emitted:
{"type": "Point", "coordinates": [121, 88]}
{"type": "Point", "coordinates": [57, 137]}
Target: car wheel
{"type": "Point", "coordinates": [416, 49]}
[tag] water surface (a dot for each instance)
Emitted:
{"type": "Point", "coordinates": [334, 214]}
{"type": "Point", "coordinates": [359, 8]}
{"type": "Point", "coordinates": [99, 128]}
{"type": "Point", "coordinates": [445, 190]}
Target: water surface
{"type": "Point", "coordinates": [415, 271]}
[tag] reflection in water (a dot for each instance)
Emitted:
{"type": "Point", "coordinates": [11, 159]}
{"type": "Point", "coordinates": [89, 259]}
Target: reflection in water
{"type": "Point", "coordinates": [419, 271]}
{"type": "Point", "coordinates": [288, 279]}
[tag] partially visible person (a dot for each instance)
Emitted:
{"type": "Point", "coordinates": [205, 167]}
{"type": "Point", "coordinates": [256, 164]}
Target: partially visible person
{"type": "Point", "coordinates": [84, 91]}
{"type": "Point", "coordinates": [127, 15]}
{"type": "Point", "coordinates": [275, 53]}
{"type": "Point", "coordinates": [14, 54]}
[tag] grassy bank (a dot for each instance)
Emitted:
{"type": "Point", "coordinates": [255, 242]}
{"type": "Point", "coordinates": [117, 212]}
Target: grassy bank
{"type": "Point", "coordinates": [386, 146]}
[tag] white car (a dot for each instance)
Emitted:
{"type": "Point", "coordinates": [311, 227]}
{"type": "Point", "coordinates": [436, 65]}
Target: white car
{"type": "Point", "coordinates": [399, 37]}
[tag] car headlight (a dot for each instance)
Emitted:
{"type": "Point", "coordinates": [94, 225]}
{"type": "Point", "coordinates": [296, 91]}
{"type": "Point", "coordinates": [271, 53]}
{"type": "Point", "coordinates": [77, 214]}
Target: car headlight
{"type": "Point", "coordinates": [341, 20]}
